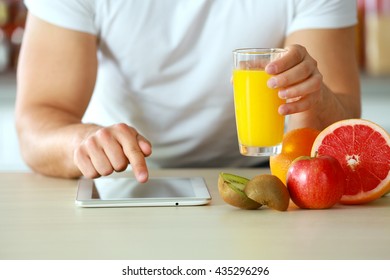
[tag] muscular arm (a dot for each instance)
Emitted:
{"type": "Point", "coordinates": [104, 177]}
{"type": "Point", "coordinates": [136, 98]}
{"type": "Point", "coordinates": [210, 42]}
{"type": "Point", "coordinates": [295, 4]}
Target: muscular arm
{"type": "Point", "coordinates": [56, 77]}
{"type": "Point", "coordinates": [332, 90]}
{"type": "Point", "coordinates": [55, 80]}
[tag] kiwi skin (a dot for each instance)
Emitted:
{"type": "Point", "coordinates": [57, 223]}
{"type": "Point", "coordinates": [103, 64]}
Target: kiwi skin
{"type": "Point", "coordinates": [231, 188]}
{"type": "Point", "coordinates": [268, 190]}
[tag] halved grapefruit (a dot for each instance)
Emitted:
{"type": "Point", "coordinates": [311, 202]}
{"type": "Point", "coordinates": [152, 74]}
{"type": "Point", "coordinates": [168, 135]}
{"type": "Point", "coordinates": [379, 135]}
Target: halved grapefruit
{"type": "Point", "coordinates": [363, 150]}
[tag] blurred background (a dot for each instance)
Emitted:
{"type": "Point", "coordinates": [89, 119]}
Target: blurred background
{"type": "Point", "coordinates": [373, 54]}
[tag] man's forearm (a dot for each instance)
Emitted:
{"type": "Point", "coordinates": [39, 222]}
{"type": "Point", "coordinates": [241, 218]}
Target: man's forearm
{"type": "Point", "coordinates": [48, 140]}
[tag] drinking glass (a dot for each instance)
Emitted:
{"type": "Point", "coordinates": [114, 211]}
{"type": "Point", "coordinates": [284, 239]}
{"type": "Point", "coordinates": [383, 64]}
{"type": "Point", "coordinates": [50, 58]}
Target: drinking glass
{"type": "Point", "coordinates": [260, 127]}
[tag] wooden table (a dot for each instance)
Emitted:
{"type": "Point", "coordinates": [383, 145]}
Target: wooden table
{"type": "Point", "coordinates": [39, 220]}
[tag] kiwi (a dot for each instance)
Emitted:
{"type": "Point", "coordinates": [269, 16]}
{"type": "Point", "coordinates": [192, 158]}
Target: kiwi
{"type": "Point", "coordinates": [231, 188]}
{"type": "Point", "coordinates": [268, 190]}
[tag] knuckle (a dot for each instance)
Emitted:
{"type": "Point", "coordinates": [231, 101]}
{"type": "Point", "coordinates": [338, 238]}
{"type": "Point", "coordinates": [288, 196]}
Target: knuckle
{"type": "Point", "coordinates": [90, 173]}
{"type": "Point", "coordinates": [103, 133]}
{"type": "Point", "coordinates": [122, 127]}
{"type": "Point", "coordinates": [90, 143]}
{"type": "Point", "coordinates": [299, 52]}
{"type": "Point", "coordinates": [83, 164]}
{"type": "Point", "coordinates": [120, 164]}
{"type": "Point", "coordinates": [106, 171]}
{"type": "Point", "coordinates": [307, 68]}
{"type": "Point", "coordinates": [104, 138]}
{"type": "Point", "coordinates": [317, 80]}
{"type": "Point", "coordinates": [125, 130]}
{"type": "Point", "coordinates": [299, 47]}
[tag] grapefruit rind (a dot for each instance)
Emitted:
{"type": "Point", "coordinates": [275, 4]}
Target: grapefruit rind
{"type": "Point", "coordinates": [363, 159]}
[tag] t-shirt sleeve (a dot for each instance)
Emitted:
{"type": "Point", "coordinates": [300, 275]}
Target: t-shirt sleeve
{"type": "Point", "coordinates": [323, 14]}
{"type": "Point", "coordinates": [72, 14]}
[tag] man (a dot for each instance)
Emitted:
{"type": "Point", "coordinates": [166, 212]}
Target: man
{"type": "Point", "coordinates": [101, 82]}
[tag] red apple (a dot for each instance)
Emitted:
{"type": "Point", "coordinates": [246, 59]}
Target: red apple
{"type": "Point", "coordinates": [315, 182]}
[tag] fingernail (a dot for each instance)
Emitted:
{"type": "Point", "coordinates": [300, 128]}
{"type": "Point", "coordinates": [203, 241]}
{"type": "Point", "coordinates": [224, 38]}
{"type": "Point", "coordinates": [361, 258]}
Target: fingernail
{"type": "Point", "coordinates": [272, 83]}
{"type": "Point", "coordinates": [142, 177]}
{"type": "Point", "coordinates": [282, 110]}
{"type": "Point", "coordinates": [283, 94]}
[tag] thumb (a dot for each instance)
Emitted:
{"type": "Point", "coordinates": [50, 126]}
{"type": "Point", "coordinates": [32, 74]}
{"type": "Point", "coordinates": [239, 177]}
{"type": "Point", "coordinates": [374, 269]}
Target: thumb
{"type": "Point", "coordinates": [145, 145]}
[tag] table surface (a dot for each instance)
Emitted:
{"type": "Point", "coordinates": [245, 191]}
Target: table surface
{"type": "Point", "coordinates": [39, 220]}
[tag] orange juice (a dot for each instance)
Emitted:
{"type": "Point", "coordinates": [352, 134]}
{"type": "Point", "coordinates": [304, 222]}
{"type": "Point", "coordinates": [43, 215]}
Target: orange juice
{"type": "Point", "coordinates": [258, 122]}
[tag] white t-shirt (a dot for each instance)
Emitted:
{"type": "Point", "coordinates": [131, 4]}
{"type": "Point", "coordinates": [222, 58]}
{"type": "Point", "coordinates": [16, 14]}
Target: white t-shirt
{"type": "Point", "coordinates": [165, 65]}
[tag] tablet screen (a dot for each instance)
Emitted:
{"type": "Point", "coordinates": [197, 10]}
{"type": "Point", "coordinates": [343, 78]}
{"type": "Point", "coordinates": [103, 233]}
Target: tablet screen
{"type": "Point", "coordinates": [125, 188]}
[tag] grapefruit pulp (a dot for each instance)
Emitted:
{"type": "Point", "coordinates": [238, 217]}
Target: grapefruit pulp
{"type": "Point", "coordinates": [363, 150]}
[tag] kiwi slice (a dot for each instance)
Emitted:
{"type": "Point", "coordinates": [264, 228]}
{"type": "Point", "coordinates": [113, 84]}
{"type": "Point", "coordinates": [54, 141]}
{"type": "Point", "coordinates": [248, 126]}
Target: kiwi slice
{"type": "Point", "coordinates": [268, 190]}
{"type": "Point", "coordinates": [231, 188]}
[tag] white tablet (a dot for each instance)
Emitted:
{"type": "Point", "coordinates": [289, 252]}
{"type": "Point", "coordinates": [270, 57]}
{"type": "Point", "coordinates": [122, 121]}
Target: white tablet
{"type": "Point", "coordinates": [127, 192]}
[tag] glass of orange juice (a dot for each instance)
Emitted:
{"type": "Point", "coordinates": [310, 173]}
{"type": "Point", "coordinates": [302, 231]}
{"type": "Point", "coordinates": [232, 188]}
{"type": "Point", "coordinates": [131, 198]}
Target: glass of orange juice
{"type": "Point", "coordinates": [260, 127]}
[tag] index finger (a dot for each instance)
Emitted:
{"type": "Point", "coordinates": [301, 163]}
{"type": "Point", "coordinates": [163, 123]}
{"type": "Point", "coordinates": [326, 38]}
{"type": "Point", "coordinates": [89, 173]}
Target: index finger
{"type": "Point", "coordinates": [295, 54]}
{"type": "Point", "coordinates": [129, 140]}
{"type": "Point", "coordinates": [137, 161]}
